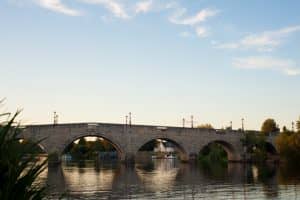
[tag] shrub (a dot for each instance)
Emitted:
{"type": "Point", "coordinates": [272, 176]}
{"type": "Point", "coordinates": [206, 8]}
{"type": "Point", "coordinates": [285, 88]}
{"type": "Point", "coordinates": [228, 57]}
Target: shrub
{"type": "Point", "coordinates": [288, 144]}
{"type": "Point", "coordinates": [18, 169]}
{"type": "Point", "coordinates": [213, 153]}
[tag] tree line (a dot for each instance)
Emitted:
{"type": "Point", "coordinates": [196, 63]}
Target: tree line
{"type": "Point", "coordinates": [256, 149]}
{"type": "Point", "coordinates": [287, 142]}
{"type": "Point", "coordinates": [84, 149]}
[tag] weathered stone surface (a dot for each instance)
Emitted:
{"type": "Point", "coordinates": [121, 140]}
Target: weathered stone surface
{"type": "Point", "coordinates": [129, 139]}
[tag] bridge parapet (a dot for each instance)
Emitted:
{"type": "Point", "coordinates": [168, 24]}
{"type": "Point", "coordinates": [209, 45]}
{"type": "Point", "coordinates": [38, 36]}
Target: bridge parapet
{"type": "Point", "coordinates": [129, 139]}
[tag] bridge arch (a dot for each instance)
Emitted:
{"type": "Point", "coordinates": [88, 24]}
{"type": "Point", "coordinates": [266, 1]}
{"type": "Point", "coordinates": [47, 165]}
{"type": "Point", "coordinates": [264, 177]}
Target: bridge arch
{"type": "Point", "coordinates": [183, 155]}
{"type": "Point", "coordinates": [272, 152]}
{"type": "Point", "coordinates": [116, 145]}
{"type": "Point", "coordinates": [232, 154]}
{"type": "Point", "coordinates": [271, 149]}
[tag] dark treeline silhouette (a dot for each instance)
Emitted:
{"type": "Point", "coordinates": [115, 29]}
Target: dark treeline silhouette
{"type": "Point", "coordinates": [89, 149]}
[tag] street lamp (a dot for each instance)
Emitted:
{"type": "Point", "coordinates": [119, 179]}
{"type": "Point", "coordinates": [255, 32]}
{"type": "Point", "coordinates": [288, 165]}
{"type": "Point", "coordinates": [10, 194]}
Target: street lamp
{"type": "Point", "coordinates": [129, 118]}
{"type": "Point", "coordinates": [243, 124]}
{"type": "Point", "coordinates": [55, 118]}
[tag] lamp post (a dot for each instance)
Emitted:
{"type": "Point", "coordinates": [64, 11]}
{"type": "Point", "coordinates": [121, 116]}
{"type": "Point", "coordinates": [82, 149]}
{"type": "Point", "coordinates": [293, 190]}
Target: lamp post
{"type": "Point", "coordinates": [55, 118]}
{"type": "Point", "coordinates": [129, 118]}
{"type": "Point", "coordinates": [183, 122]}
{"type": "Point", "coordinates": [243, 124]}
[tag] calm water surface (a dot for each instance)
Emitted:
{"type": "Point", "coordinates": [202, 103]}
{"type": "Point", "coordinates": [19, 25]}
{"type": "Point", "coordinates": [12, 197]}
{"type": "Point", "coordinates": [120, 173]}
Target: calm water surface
{"type": "Point", "coordinates": [170, 179]}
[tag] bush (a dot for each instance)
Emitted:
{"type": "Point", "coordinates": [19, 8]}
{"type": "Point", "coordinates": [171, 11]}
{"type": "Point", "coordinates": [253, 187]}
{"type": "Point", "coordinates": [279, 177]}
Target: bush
{"type": "Point", "coordinates": [213, 153]}
{"type": "Point", "coordinates": [288, 144]}
{"type": "Point", "coordinates": [255, 146]}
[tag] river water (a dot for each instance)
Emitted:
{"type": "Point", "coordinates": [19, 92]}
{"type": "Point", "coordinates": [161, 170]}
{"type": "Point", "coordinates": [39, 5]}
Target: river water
{"type": "Point", "coordinates": [170, 179]}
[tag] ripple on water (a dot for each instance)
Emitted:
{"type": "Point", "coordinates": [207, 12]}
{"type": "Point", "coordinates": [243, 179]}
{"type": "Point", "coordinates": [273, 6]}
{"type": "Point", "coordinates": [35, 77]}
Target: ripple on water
{"type": "Point", "coordinates": [165, 179]}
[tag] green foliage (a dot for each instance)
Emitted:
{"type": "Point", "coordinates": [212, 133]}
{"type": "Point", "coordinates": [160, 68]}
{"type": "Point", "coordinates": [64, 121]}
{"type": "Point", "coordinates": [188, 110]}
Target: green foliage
{"type": "Point", "coordinates": [269, 126]}
{"type": "Point", "coordinates": [255, 145]}
{"type": "Point", "coordinates": [288, 145]}
{"type": "Point", "coordinates": [258, 155]}
{"type": "Point", "coordinates": [18, 167]}
{"type": "Point", "coordinates": [213, 153]}
{"type": "Point", "coordinates": [98, 145]}
{"type": "Point", "coordinates": [89, 149]}
{"type": "Point", "coordinates": [251, 140]}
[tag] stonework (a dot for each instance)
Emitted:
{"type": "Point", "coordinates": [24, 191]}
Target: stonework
{"type": "Point", "coordinates": [129, 139]}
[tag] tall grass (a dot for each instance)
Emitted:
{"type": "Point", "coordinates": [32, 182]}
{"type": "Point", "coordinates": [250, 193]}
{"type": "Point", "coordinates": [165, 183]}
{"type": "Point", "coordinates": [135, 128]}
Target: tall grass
{"type": "Point", "coordinates": [18, 168]}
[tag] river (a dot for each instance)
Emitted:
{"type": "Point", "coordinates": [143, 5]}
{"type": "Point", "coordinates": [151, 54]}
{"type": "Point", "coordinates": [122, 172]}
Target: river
{"type": "Point", "coordinates": [170, 179]}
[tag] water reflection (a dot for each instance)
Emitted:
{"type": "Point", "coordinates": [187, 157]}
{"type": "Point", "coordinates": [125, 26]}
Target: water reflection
{"type": "Point", "coordinates": [87, 178]}
{"type": "Point", "coordinates": [170, 179]}
{"type": "Point", "coordinates": [160, 174]}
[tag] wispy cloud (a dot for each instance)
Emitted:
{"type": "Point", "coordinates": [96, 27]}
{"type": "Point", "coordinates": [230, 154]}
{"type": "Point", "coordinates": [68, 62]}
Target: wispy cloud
{"type": "Point", "coordinates": [58, 6]}
{"type": "Point", "coordinates": [266, 41]}
{"type": "Point", "coordinates": [285, 66]}
{"type": "Point", "coordinates": [115, 7]}
{"type": "Point", "coordinates": [201, 31]}
{"type": "Point", "coordinates": [125, 9]}
{"type": "Point", "coordinates": [201, 16]}
{"type": "Point", "coordinates": [143, 6]}
{"type": "Point", "coordinates": [122, 9]}
{"type": "Point", "coordinates": [179, 17]}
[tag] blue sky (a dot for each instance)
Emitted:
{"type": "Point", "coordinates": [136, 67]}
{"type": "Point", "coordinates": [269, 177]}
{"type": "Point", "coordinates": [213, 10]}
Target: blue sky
{"type": "Point", "coordinates": [163, 60]}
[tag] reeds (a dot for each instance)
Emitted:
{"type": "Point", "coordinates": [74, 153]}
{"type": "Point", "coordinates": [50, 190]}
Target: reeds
{"type": "Point", "coordinates": [18, 168]}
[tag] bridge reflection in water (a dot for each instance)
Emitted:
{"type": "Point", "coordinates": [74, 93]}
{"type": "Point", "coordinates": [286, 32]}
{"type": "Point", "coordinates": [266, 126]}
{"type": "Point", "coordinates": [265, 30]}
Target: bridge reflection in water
{"type": "Point", "coordinates": [160, 174]}
{"type": "Point", "coordinates": [167, 178]}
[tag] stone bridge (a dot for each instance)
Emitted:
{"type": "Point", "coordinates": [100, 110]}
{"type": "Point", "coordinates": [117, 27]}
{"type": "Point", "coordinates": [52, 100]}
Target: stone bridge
{"type": "Point", "coordinates": [128, 139]}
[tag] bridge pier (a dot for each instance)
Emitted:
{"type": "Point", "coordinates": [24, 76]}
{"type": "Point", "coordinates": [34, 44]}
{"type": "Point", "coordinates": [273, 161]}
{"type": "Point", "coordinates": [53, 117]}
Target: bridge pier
{"type": "Point", "coordinates": [128, 140]}
{"type": "Point", "coordinates": [54, 159]}
{"type": "Point", "coordinates": [129, 159]}
{"type": "Point", "coordinates": [192, 157]}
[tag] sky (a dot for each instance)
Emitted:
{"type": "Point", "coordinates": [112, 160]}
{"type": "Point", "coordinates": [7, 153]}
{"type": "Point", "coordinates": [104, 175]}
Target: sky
{"type": "Point", "coordinates": [161, 60]}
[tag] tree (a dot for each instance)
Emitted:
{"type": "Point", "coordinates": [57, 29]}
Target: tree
{"type": "Point", "coordinates": [98, 146]}
{"type": "Point", "coordinates": [207, 126]}
{"type": "Point", "coordinates": [269, 126]}
{"type": "Point", "coordinates": [255, 146]}
{"type": "Point", "coordinates": [213, 154]}
{"type": "Point", "coordinates": [82, 141]}
{"type": "Point", "coordinates": [298, 125]}
{"type": "Point", "coordinates": [288, 145]}
{"type": "Point", "coordinates": [284, 129]}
